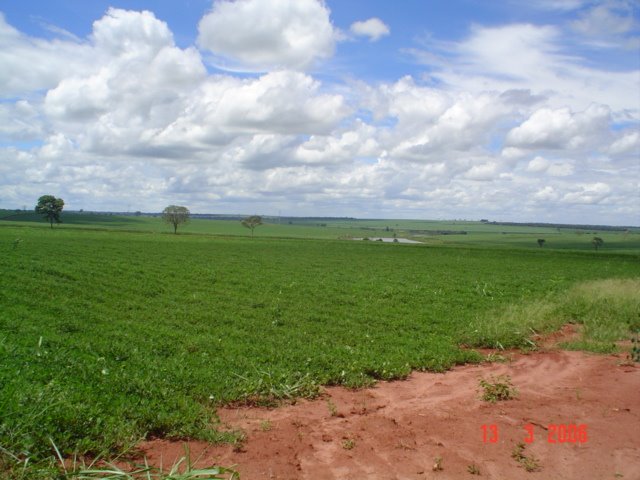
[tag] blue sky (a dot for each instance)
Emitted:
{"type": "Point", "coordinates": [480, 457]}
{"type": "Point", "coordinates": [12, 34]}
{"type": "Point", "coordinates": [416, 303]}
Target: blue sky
{"type": "Point", "coordinates": [512, 110]}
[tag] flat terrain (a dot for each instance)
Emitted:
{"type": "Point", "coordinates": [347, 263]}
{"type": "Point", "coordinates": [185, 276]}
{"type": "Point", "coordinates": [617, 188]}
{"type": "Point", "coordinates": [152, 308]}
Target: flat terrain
{"type": "Point", "coordinates": [113, 331]}
{"type": "Point", "coordinates": [447, 233]}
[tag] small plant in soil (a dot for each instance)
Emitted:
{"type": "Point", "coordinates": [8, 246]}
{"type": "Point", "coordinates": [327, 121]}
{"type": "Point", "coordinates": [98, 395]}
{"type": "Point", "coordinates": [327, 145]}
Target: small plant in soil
{"type": "Point", "coordinates": [529, 463]}
{"type": "Point", "coordinates": [497, 389]}
{"type": "Point", "coordinates": [333, 410]}
{"type": "Point", "coordinates": [348, 443]}
{"type": "Point", "coordinates": [634, 355]}
{"type": "Point", "coordinates": [496, 358]}
{"type": "Point", "coordinates": [437, 464]}
{"type": "Point", "coordinates": [265, 425]}
{"type": "Point", "coordinates": [473, 469]}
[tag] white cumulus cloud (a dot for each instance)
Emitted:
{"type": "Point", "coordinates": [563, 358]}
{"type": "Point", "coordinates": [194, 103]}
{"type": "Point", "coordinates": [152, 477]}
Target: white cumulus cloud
{"type": "Point", "coordinates": [267, 34]}
{"type": "Point", "coordinates": [373, 28]}
{"type": "Point", "coordinates": [560, 128]}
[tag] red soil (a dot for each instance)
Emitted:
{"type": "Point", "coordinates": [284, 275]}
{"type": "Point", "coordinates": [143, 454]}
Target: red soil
{"type": "Point", "coordinates": [396, 430]}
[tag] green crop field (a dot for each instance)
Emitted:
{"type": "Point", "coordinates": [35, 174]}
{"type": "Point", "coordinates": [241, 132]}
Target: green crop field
{"type": "Point", "coordinates": [113, 329]}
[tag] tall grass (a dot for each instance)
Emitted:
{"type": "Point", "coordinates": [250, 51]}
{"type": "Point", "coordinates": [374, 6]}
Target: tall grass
{"type": "Point", "coordinates": [608, 310]}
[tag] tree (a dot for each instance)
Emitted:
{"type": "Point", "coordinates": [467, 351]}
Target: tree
{"type": "Point", "coordinates": [252, 222]}
{"type": "Point", "coordinates": [541, 242]}
{"type": "Point", "coordinates": [50, 207]}
{"type": "Point", "coordinates": [597, 242]}
{"type": "Point", "coordinates": [175, 215]}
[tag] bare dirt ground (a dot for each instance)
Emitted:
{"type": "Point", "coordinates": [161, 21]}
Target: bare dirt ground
{"type": "Point", "coordinates": [399, 430]}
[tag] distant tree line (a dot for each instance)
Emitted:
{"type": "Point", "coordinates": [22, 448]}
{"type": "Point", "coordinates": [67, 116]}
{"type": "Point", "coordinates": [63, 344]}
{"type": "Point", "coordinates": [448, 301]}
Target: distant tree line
{"type": "Point", "coordinates": [608, 228]}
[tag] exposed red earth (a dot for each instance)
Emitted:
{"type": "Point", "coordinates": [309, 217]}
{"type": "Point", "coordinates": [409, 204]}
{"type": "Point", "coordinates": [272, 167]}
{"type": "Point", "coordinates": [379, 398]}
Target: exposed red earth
{"type": "Point", "coordinates": [400, 429]}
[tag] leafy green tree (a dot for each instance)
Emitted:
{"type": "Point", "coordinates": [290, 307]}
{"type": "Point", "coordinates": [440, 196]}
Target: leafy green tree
{"type": "Point", "coordinates": [252, 222]}
{"type": "Point", "coordinates": [597, 242]}
{"type": "Point", "coordinates": [50, 208]}
{"type": "Point", "coordinates": [176, 215]}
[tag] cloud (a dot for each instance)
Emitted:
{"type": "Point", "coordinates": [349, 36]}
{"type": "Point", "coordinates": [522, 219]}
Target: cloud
{"type": "Point", "coordinates": [538, 164]}
{"type": "Point", "coordinates": [588, 194]}
{"type": "Point", "coordinates": [138, 120]}
{"type": "Point", "coordinates": [553, 169]}
{"type": "Point", "coordinates": [562, 5]}
{"type": "Point", "coordinates": [610, 25]}
{"type": "Point", "coordinates": [130, 33]}
{"type": "Point", "coordinates": [546, 194]}
{"type": "Point", "coordinates": [339, 147]}
{"type": "Point", "coordinates": [267, 34]}
{"type": "Point", "coordinates": [28, 64]}
{"type": "Point", "coordinates": [531, 57]}
{"type": "Point", "coordinates": [560, 129]}
{"type": "Point", "coordinates": [484, 172]}
{"type": "Point", "coordinates": [432, 124]}
{"type": "Point", "coordinates": [149, 98]}
{"type": "Point", "coordinates": [224, 108]}
{"type": "Point", "coordinates": [374, 28]}
{"type": "Point", "coordinates": [20, 122]}
{"type": "Point", "coordinates": [628, 143]}
{"type": "Point", "coordinates": [606, 19]}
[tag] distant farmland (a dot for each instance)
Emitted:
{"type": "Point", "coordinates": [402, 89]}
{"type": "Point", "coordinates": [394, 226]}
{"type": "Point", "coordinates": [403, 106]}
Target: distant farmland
{"type": "Point", "coordinates": [466, 233]}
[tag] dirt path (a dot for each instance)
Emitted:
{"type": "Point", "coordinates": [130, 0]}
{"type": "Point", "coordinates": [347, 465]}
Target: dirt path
{"type": "Point", "coordinates": [397, 430]}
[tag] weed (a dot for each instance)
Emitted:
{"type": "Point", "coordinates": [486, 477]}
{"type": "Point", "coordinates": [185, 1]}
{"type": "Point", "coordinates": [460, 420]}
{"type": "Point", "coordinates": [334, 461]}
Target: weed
{"type": "Point", "coordinates": [497, 389]}
{"type": "Point", "coordinates": [238, 443]}
{"type": "Point", "coordinates": [265, 425]}
{"type": "Point", "coordinates": [183, 469]}
{"type": "Point", "coordinates": [348, 443]}
{"type": "Point", "coordinates": [496, 358]}
{"type": "Point", "coordinates": [529, 463]}
{"type": "Point", "coordinates": [473, 469]}
{"type": "Point", "coordinates": [271, 389]}
{"type": "Point", "coordinates": [608, 310]}
{"type": "Point", "coordinates": [333, 410]}
{"type": "Point", "coordinates": [634, 354]}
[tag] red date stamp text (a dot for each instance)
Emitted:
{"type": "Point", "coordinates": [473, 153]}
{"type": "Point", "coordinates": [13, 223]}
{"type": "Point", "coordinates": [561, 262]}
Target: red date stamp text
{"type": "Point", "coordinates": [556, 433]}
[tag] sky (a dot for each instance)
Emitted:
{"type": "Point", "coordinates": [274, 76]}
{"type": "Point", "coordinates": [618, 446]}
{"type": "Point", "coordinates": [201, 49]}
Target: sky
{"type": "Point", "coordinates": [518, 110]}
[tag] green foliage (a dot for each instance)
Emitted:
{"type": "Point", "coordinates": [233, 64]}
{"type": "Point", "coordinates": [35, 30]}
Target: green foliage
{"type": "Point", "coordinates": [609, 310]}
{"type": "Point", "coordinates": [348, 443]}
{"type": "Point", "coordinates": [473, 469]}
{"type": "Point", "coordinates": [175, 215]}
{"type": "Point", "coordinates": [634, 354]}
{"type": "Point", "coordinates": [50, 208]}
{"type": "Point", "coordinates": [122, 336]}
{"type": "Point", "coordinates": [528, 462]}
{"type": "Point", "coordinates": [597, 242]}
{"type": "Point", "coordinates": [497, 389]}
{"type": "Point", "coordinates": [252, 222]}
{"type": "Point", "coordinates": [76, 468]}
{"type": "Point", "coordinates": [270, 390]}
